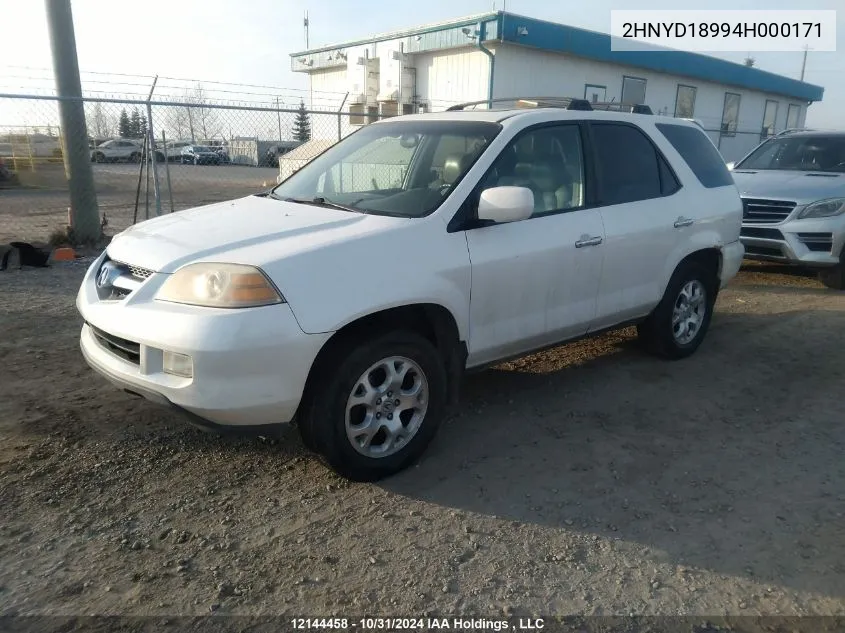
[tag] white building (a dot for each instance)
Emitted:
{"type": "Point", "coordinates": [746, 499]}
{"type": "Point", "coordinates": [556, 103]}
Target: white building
{"type": "Point", "coordinates": [501, 55]}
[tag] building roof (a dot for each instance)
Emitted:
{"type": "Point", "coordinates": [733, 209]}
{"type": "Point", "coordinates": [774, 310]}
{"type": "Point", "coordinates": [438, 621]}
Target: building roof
{"type": "Point", "coordinates": [560, 38]}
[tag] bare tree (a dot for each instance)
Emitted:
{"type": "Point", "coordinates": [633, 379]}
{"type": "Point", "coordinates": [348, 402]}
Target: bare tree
{"type": "Point", "coordinates": [193, 120]}
{"type": "Point", "coordinates": [177, 121]}
{"type": "Point", "coordinates": [205, 121]}
{"type": "Point", "coordinates": [99, 122]}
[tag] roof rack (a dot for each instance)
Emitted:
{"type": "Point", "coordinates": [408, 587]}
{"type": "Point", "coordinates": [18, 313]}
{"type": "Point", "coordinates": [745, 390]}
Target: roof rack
{"type": "Point", "coordinates": [617, 106]}
{"type": "Point", "coordinates": [567, 103]}
{"type": "Point", "coordinates": [793, 130]}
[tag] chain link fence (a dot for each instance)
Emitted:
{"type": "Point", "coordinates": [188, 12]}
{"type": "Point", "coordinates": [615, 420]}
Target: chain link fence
{"type": "Point", "coordinates": [201, 153]}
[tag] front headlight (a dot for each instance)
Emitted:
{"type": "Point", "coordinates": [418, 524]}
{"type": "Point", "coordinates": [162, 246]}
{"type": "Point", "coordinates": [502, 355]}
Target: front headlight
{"type": "Point", "coordinates": [220, 286]}
{"type": "Point", "coordinates": [823, 208]}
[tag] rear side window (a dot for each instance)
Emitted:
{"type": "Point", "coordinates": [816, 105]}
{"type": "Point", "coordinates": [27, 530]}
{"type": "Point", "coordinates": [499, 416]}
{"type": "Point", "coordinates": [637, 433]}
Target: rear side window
{"type": "Point", "coordinates": [628, 164]}
{"type": "Point", "coordinates": [699, 153]}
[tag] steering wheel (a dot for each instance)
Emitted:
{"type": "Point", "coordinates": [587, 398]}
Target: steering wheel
{"type": "Point", "coordinates": [444, 188]}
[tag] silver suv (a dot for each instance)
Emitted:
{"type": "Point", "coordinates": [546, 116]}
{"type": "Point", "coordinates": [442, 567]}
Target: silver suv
{"type": "Point", "coordinates": [793, 196]}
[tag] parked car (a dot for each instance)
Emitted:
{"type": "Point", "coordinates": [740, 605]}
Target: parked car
{"type": "Point", "coordinates": [793, 193]}
{"type": "Point", "coordinates": [222, 154]}
{"type": "Point", "coordinates": [351, 298]}
{"type": "Point", "coordinates": [174, 149]}
{"type": "Point", "coordinates": [121, 150]}
{"type": "Point", "coordinates": [272, 155]}
{"type": "Point", "coordinates": [200, 155]}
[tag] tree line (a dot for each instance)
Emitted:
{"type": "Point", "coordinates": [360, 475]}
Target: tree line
{"type": "Point", "coordinates": [194, 120]}
{"type": "Point", "coordinates": [132, 126]}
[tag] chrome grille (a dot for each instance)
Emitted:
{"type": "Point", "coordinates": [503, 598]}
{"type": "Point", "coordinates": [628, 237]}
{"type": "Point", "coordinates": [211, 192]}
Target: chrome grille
{"type": "Point", "coordinates": [761, 211]}
{"type": "Point", "coordinates": [138, 272]}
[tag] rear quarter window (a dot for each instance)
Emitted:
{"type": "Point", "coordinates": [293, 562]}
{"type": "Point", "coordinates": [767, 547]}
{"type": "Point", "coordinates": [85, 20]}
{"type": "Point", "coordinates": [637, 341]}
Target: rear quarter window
{"type": "Point", "coordinates": [699, 153]}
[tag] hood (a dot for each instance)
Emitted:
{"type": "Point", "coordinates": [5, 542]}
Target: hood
{"type": "Point", "coordinates": [253, 230]}
{"type": "Point", "coordinates": [801, 187]}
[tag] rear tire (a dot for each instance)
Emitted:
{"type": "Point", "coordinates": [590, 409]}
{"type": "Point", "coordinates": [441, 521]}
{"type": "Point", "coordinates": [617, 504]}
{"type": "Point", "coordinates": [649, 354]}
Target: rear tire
{"type": "Point", "coordinates": [352, 417]}
{"type": "Point", "coordinates": [679, 323]}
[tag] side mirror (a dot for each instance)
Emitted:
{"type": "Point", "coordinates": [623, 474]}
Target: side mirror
{"type": "Point", "coordinates": [506, 204]}
{"type": "Point", "coordinates": [730, 166]}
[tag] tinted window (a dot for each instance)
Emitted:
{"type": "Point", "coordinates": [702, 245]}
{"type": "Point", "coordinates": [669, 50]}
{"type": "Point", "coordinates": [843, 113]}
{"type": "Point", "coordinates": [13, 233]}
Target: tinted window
{"type": "Point", "coordinates": [668, 182]}
{"type": "Point", "coordinates": [627, 164]}
{"type": "Point", "coordinates": [699, 153]}
{"type": "Point", "coordinates": [548, 161]}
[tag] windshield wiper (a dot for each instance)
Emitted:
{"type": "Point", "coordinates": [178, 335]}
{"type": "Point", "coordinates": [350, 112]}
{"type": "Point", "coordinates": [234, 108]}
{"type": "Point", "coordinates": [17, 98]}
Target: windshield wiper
{"type": "Point", "coordinates": [319, 201]}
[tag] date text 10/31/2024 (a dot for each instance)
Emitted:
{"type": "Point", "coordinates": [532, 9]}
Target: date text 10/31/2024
{"type": "Point", "coordinates": [416, 624]}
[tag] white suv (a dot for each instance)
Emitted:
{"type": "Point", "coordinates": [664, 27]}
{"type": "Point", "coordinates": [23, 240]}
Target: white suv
{"type": "Point", "coordinates": [351, 298]}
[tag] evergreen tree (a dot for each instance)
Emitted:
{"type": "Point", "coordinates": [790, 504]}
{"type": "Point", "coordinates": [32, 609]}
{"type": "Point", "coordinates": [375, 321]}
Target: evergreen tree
{"type": "Point", "coordinates": [135, 124]}
{"type": "Point", "coordinates": [124, 127]}
{"type": "Point", "coordinates": [142, 130]}
{"type": "Point", "coordinates": [302, 124]}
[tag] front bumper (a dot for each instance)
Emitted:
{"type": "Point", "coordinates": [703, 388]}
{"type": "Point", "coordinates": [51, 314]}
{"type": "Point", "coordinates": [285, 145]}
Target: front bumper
{"type": "Point", "coordinates": [249, 365]}
{"type": "Point", "coordinates": [813, 243]}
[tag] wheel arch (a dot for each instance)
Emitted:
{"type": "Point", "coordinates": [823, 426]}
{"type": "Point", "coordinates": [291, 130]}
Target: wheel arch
{"type": "Point", "coordinates": [432, 321]}
{"type": "Point", "coordinates": [707, 254]}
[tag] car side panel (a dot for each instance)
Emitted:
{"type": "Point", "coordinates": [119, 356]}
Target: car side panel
{"type": "Point", "coordinates": [416, 263]}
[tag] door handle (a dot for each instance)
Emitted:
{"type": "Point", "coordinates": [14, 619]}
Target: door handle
{"type": "Point", "coordinates": [591, 241]}
{"type": "Point", "coordinates": [682, 221]}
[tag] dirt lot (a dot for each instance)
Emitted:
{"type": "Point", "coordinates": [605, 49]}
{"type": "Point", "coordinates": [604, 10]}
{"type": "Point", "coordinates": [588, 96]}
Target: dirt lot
{"type": "Point", "coordinates": [590, 480]}
{"type": "Point", "coordinates": [32, 212]}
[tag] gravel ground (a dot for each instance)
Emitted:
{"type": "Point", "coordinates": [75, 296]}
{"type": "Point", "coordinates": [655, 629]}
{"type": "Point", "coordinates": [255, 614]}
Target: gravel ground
{"type": "Point", "coordinates": [590, 479]}
{"type": "Point", "coordinates": [32, 213]}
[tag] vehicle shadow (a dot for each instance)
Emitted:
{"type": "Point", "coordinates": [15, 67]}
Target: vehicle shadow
{"type": "Point", "coordinates": [729, 461]}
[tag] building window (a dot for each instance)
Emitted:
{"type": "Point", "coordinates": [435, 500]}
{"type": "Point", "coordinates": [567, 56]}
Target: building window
{"type": "Point", "coordinates": [770, 115]}
{"type": "Point", "coordinates": [633, 90]}
{"type": "Point", "coordinates": [595, 93]}
{"type": "Point", "coordinates": [685, 101]}
{"type": "Point", "coordinates": [792, 115]}
{"type": "Point", "coordinates": [730, 114]}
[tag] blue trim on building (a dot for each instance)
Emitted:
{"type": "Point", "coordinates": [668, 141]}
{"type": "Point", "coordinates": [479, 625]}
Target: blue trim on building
{"type": "Point", "coordinates": [560, 38]}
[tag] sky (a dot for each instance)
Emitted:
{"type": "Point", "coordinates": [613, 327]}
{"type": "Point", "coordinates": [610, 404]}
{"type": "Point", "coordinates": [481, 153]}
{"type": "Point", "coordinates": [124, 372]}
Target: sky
{"type": "Point", "coordinates": [249, 42]}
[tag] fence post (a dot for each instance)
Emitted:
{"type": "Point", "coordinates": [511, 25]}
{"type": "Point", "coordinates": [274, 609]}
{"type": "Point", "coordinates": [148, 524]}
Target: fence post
{"type": "Point", "coordinates": [340, 116]}
{"type": "Point", "coordinates": [167, 168]}
{"type": "Point", "coordinates": [152, 149]}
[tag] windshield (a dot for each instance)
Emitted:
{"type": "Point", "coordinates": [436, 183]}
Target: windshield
{"type": "Point", "coordinates": [402, 168]}
{"type": "Point", "coordinates": [202, 148]}
{"type": "Point", "coordinates": [801, 153]}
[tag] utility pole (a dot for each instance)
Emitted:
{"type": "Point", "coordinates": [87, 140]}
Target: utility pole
{"type": "Point", "coordinates": [84, 215]}
{"type": "Point", "coordinates": [310, 82]}
{"type": "Point", "coordinates": [804, 64]}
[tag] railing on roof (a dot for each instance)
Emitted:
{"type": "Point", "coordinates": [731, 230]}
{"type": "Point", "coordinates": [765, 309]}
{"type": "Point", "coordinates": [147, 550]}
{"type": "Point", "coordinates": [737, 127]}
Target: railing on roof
{"type": "Point", "coordinates": [793, 130]}
{"type": "Point", "coordinates": [568, 103]}
{"type": "Point", "coordinates": [616, 106]}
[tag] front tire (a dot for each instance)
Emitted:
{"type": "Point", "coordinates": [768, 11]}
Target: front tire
{"type": "Point", "coordinates": [834, 277]}
{"type": "Point", "coordinates": [679, 323]}
{"type": "Point", "coordinates": [374, 407]}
